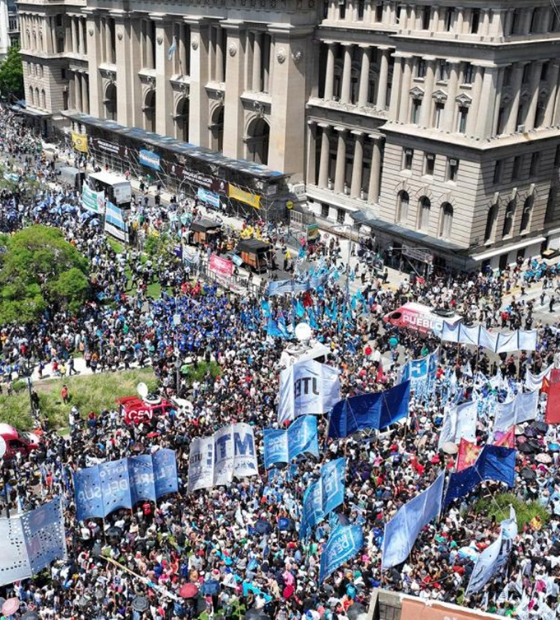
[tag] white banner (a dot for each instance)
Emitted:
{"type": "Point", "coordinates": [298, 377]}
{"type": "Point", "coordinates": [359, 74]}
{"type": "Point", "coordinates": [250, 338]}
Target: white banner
{"type": "Point", "coordinates": [499, 342]}
{"type": "Point", "coordinates": [216, 460]}
{"type": "Point", "coordinates": [485, 567]}
{"type": "Point", "coordinates": [307, 388]}
{"type": "Point", "coordinates": [520, 409]}
{"type": "Point", "coordinates": [534, 382]}
{"type": "Point", "coordinates": [459, 422]}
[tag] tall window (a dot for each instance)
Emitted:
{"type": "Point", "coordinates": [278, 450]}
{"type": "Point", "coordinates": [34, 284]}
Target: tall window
{"type": "Point", "coordinates": [526, 215]}
{"type": "Point", "coordinates": [424, 208]}
{"type": "Point", "coordinates": [403, 201]}
{"type": "Point", "coordinates": [415, 111]}
{"type": "Point", "coordinates": [534, 168]}
{"type": "Point", "coordinates": [508, 220]}
{"type": "Point", "coordinates": [468, 73]}
{"type": "Point", "coordinates": [452, 169]}
{"type": "Point", "coordinates": [408, 157]}
{"type": "Point", "coordinates": [446, 221]}
{"type": "Point", "coordinates": [438, 114]}
{"type": "Point", "coordinates": [430, 163]}
{"type": "Point", "coordinates": [491, 220]}
{"type": "Point", "coordinates": [462, 119]}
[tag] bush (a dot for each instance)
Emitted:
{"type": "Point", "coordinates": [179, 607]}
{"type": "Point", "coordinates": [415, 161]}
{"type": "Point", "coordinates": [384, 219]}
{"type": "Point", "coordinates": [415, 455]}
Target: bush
{"type": "Point", "coordinates": [498, 507]}
{"type": "Point", "coordinates": [197, 372]}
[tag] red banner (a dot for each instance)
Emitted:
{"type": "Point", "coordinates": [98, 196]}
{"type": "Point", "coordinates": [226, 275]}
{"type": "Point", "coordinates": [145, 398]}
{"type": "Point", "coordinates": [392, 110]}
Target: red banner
{"type": "Point", "coordinates": [467, 455]}
{"type": "Point", "coordinates": [221, 266]}
{"type": "Point", "coordinates": [506, 439]}
{"type": "Point", "coordinates": [553, 402]}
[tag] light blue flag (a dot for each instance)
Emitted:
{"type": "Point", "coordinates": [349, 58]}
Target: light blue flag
{"type": "Point", "coordinates": [115, 485]}
{"type": "Point", "coordinates": [275, 447]}
{"type": "Point", "coordinates": [87, 490]}
{"type": "Point", "coordinates": [302, 437]}
{"type": "Point", "coordinates": [312, 508]}
{"type": "Point", "coordinates": [280, 287]}
{"type": "Point", "coordinates": [485, 567]}
{"type": "Point", "coordinates": [403, 529]}
{"type": "Point", "coordinates": [265, 307]}
{"type": "Point", "coordinates": [343, 544]}
{"type": "Point", "coordinates": [45, 539]}
{"type": "Point", "coordinates": [172, 49]}
{"type": "Point", "coordinates": [141, 473]}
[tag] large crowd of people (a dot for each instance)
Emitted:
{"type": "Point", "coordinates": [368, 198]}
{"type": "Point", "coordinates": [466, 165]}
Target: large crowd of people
{"type": "Point", "coordinates": [138, 564]}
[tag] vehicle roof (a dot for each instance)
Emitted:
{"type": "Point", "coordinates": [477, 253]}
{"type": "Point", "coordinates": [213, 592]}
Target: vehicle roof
{"type": "Point", "coordinates": [7, 429]}
{"type": "Point", "coordinates": [134, 401]}
{"type": "Point", "coordinates": [204, 225]}
{"type": "Point", "coordinates": [107, 177]}
{"type": "Point", "coordinates": [252, 244]}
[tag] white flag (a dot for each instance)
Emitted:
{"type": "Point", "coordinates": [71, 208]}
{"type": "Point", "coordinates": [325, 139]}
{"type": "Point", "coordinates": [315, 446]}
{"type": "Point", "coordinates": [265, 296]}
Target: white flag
{"type": "Point", "coordinates": [485, 567]}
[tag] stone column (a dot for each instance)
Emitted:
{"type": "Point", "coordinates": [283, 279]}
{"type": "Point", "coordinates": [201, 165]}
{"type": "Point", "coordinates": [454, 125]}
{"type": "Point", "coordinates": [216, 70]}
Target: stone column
{"type": "Point", "coordinates": [381, 102]}
{"type": "Point", "coordinates": [484, 27]}
{"type": "Point", "coordinates": [85, 94]}
{"type": "Point", "coordinates": [311, 176]}
{"type": "Point", "coordinates": [375, 172]}
{"type": "Point", "coordinates": [497, 25]}
{"type": "Point", "coordinates": [426, 111]}
{"type": "Point", "coordinates": [164, 93]}
{"type": "Point", "coordinates": [396, 88]}
{"type": "Point", "coordinates": [451, 104]}
{"type": "Point", "coordinates": [475, 110]}
{"type": "Point", "coordinates": [329, 78]}
{"type": "Point", "coordinates": [256, 81]}
{"type": "Point", "coordinates": [71, 92]}
{"type": "Point", "coordinates": [553, 85]}
{"type": "Point", "coordinates": [346, 74]}
{"type": "Point", "coordinates": [405, 90]}
{"type": "Point", "coordinates": [340, 171]}
{"type": "Point", "coordinates": [459, 20]}
{"type": "Point", "coordinates": [364, 77]}
{"type": "Point", "coordinates": [199, 104]}
{"type": "Point", "coordinates": [536, 69]}
{"type": "Point", "coordinates": [94, 60]}
{"type": "Point", "coordinates": [78, 91]}
{"type": "Point", "coordinates": [219, 59]}
{"type": "Point", "coordinates": [484, 110]}
{"type": "Point", "coordinates": [517, 76]}
{"type": "Point", "coordinates": [357, 165]}
{"type": "Point", "coordinates": [325, 155]}
{"type": "Point", "coordinates": [74, 38]}
{"type": "Point", "coordinates": [233, 113]}
{"type": "Point", "coordinates": [108, 54]}
{"type": "Point", "coordinates": [435, 19]}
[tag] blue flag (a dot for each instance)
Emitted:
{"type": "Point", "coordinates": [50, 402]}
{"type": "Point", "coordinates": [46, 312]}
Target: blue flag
{"type": "Point", "coordinates": [369, 411]}
{"type": "Point", "coordinates": [403, 529]}
{"type": "Point", "coordinates": [282, 446]}
{"type": "Point", "coordinates": [343, 544]}
{"type": "Point", "coordinates": [494, 463]}
{"type": "Point", "coordinates": [265, 307]}
{"type": "Point", "coordinates": [323, 496]}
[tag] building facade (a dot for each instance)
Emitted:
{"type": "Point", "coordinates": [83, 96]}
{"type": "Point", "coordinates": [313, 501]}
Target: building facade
{"type": "Point", "coordinates": [433, 126]}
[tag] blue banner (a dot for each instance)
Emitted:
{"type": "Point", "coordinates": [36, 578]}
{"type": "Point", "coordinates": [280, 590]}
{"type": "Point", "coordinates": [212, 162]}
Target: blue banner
{"type": "Point", "coordinates": [109, 486]}
{"type": "Point", "coordinates": [115, 485]}
{"type": "Point", "coordinates": [165, 472]}
{"type": "Point", "coordinates": [494, 463]}
{"type": "Point", "coordinates": [343, 544]}
{"type": "Point", "coordinates": [324, 495]}
{"type": "Point", "coordinates": [45, 539]}
{"type": "Point", "coordinates": [149, 159]}
{"type": "Point", "coordinates": [208, 198]}
{"type": "Point", "coordinates": [141, 473]}
{"type": "Point", "coordinates": [369, 411]}
{"type": "Point", "coordinates": [421, 373]}
{"type": "Point", "coordinates": [403, 529]}
{"type": "Point", "coordinates": [87, 489]}
{"type": "Point", "coordinates": [114, 216]}
{"type": "Point", "coordinates": [282, 446]}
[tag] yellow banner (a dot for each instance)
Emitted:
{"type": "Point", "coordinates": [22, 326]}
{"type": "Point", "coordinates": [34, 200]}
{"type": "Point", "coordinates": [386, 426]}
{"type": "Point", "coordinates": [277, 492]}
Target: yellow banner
{"type": "Point", "coordinates": [254, 200]}
{"type": "Point", "coordinates": [79, 142]}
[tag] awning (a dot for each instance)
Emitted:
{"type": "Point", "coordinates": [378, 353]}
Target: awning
{"type": "Point", "coordinates": [508, 248]}
{"type": "Point", "coordinates": [28, 111]}
{"type": "Point", "coordinates": [183, 148]}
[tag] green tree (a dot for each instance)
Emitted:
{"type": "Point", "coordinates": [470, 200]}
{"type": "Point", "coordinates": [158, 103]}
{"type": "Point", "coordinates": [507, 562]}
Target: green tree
{"type": "Point", "coordinates": [11, 75]}
{"type": "Point", "coordinates": [39, 269]}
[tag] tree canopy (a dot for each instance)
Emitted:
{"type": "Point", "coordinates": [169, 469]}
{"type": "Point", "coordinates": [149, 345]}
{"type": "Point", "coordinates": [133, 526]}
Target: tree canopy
{"type": "Point", "coordinates": [39, 269]}
{"type": "Point", "coordinates": [11, 75]}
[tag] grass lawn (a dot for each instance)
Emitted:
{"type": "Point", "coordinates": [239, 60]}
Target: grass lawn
{"type": "Point", "coordinates": [87, 392]}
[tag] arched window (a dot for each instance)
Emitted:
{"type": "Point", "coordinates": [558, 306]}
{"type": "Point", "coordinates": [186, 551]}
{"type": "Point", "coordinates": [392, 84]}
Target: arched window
{"type": "Point", "coordinates": [424, 208]}
{"type": "Point", "coordinates": [403, 201]}
{"type": "Point", "coordinates": [31, 97]}
{"type": "Point", "coordinates": [509, 217]}
{"type": "Point", "coordinates": [43, 99]}
{"type": "Point", "coordinates": [491, 220]}
{"type": "Point", "coordinates": [446, 221]}
{"type": "Point", "coordinates": [526, 215]}
{"type": "Point", "coordinates": [37, 99]}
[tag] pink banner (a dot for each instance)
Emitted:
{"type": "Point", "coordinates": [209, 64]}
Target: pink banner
{"type": "Point", "coordinates": [221, 266]}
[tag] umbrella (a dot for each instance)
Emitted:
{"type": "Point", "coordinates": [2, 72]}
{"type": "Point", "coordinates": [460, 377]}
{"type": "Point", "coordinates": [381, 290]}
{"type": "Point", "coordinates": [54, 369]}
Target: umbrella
{"type": "Point", "coordinates": [530, 432]}
{"type": "Point", "coordinates": [114, 532]}
{"type": "Point", "coordinates": [450, 448]}
{"type": "Point", "coordinates": [543, 458]}
{"type": "Point", "coordinates": [263, 527]}
{"type": "Point", "coordinates": [140, 604]}
{"type": "Point", "coordinates": [210, 587]}
{"type": "Point", "coordinates": [256, 614]}
{"type": "Point", "coordinates": [2, 601]}
{"type": "Point", "coordinates": [10, 606]}
{"type": "Point", "coordinates": [357, 611]}
{"type": "Point", "coordinates": [527, 448]}
{"type": "Point", "coordinates": [527, 474]}
{"type": "Point", "coordinates": [152, 435]}
{"type": "Point", "coordinates": [541, 427]}
{"type": "Point", "coordinates": [188, 590]}
{"type": "Point", "coordinates": [94, 222]}
{"type": "Point", "coordinates": [30, 615]}
{"type": "Point", "coordinates": [469, 553]}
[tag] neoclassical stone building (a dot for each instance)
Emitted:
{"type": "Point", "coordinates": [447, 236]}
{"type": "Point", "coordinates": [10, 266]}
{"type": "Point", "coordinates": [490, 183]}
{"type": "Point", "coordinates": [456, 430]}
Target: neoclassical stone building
{"type": "Point", "coordinates": [433, 126]}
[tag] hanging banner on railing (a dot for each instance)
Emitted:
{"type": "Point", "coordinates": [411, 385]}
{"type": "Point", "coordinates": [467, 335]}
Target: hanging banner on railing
{"type": "Point", "coordinates": [149, 159]}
